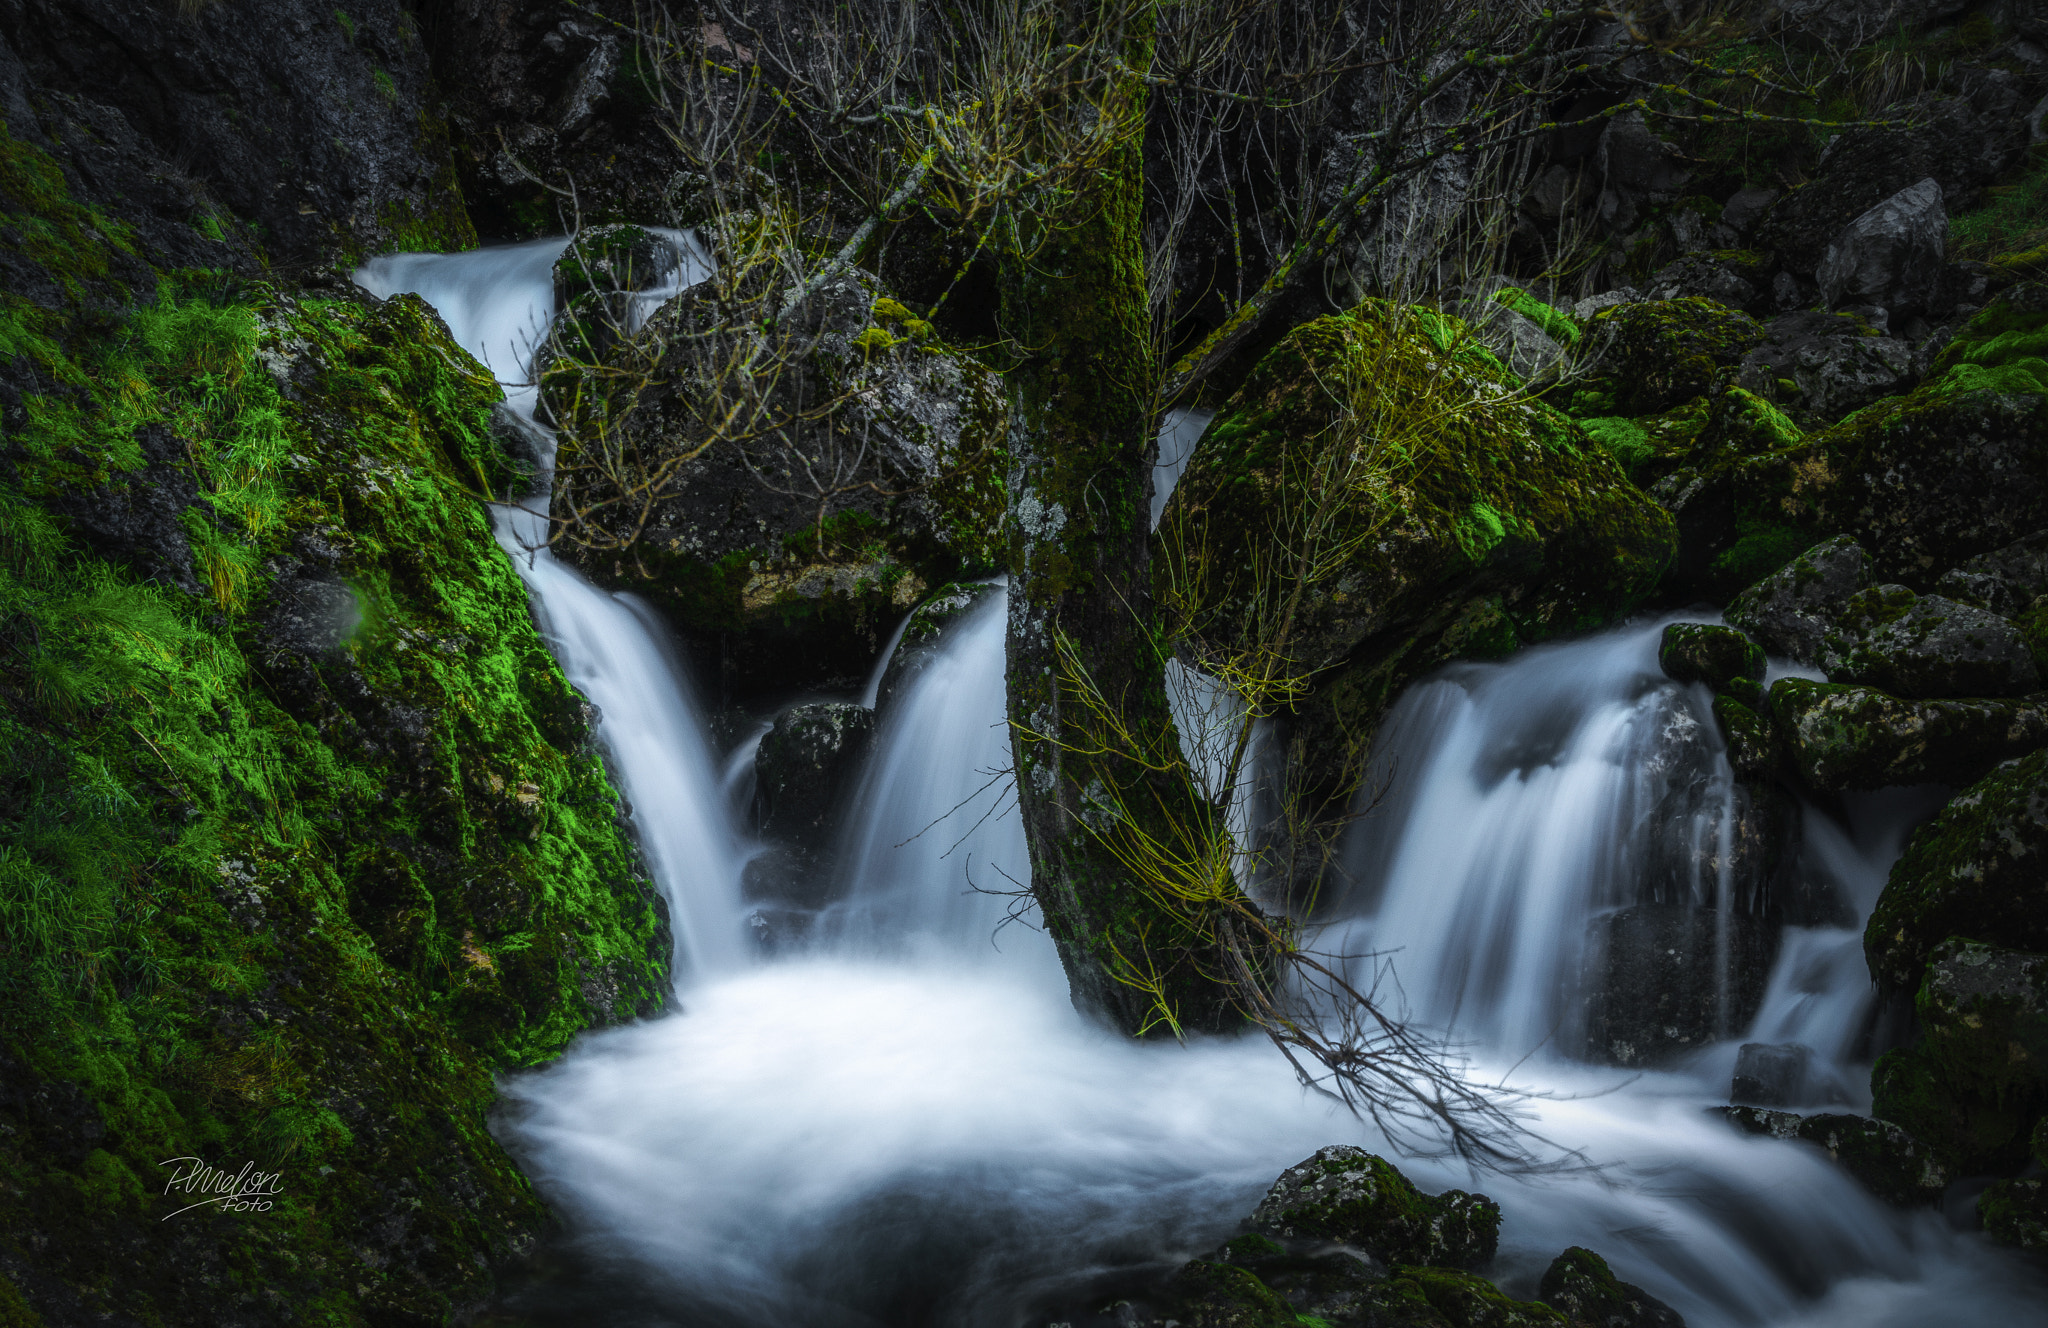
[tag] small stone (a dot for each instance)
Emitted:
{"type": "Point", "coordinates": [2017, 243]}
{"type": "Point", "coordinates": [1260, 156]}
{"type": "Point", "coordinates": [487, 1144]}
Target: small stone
{"type": "Point", "coordinates": [1701, 652]}
{"type": "Point", "coordinates": [1348, 1195]}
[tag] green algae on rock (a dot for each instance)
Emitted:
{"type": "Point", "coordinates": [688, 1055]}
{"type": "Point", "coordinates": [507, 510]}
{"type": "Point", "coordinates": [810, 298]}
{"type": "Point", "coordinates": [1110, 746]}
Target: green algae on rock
{"type": "Point", "coordinates": [1580, 1285]}
{"type": "Point", "coordinates": [1881, 1154]}
{"type": "Point", "coordinates": [1659, 353]}
{"type": "Point", "coordinates": [1979, 871]}
{"type": "Point", "coordinates": [347, 849]}
{"type": "Point", "coordinates": [1704, 653]}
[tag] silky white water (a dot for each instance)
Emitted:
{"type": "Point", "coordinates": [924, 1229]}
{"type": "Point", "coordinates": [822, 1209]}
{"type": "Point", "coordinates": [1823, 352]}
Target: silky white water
{"type": "Point", "coordinates": [908, 1123]}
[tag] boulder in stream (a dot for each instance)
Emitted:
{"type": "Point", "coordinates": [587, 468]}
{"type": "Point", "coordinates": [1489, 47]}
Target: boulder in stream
{"type": "Point", "coordinates": [1791, 610]}
{"type": "Point", "coordinates": [1976, 1083]}
{"type": "Point", "coordinates": [1771, 1074]}
{"type": "Point", "coordinates": [1839, 737]}
{"type": "Point", "coordinates": [1979, 870]}
{"type": "Point", "coordinates": [1716, 656]}
{"type": "Point", "coordinates": [1656, 987]}
{"type": "Point", "coordinates": [1356, 1198]}
{"type": "Point", "coordinates": [1883, 1156]}
{"type": "Point", "coordinates": [1926, 645]}
{"type": "Point", "coordinates": [1580, 1285]}
{"type": "Point", "coordinates": [804, 773]}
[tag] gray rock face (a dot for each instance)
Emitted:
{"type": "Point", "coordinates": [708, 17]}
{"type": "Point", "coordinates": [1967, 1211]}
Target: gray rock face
{"type": "Point", "coordinates": [2006, 581]}
{"type": "Point", "coordinates": [1701, 274]}
{"type": "Point", "coordinates": [1593, 304]}
{"type": "Point", "coordinates": [1522, 345]}
{"type": "Point", "coordinates": [1839, 737]}
{"type": "Point", "coordinates": [1834, 365]}
{"type": "Point", "coordinates": [1746, 207]}
{"type": "Point", "coordinates": [1791, 611]}
{"type": "Point", "coordinates": [1846, 24]}
{"type": "Point", "coordinates": [1892, 255]}
{"type": "Point", "coordinates": [1656, 988]}
{"type": "Point", "coordinates": [1926, 646]}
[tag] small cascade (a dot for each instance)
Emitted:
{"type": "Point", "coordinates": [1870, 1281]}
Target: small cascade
{"type": "Point", "coordinates": [1518, 802]}
{"type": "Point", "coordinates": [499, 305]}
{"type": "Point", "coordinates": [1177, 439]}
{"type": "Point", "coordinates": [935, 849]}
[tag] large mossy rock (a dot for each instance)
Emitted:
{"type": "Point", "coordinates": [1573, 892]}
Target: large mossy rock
{"type": "Point", "coordinates": [1926, 646]}
{"type": "Point", "coordinates": [1474, 519]}
{"type": "Point", "coordinates": [1659, 353]}
{"type": "Point", "coordinates": [1976, 1083]}
{"type": "Point", "coordinates": [1979, 871]}
{"type": "Point", "coordinates": [1353, 1197]}
{"type": "Point", "coordinates": [1722, 488]}
{"type": "Point", "coordinates": [1790, 611]}
{"type": "Point", "coordinates": [1704, 653]}
{"type": "Point", "coordinates": [864, 463]}
{"type": "Point", "coordinates": [1839, 737]}
{"type": "Point", "coordinates": [333, 843]}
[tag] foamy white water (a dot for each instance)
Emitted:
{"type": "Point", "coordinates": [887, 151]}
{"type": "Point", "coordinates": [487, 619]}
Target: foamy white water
{"type": "Point", "coordinates": [922, 1132]}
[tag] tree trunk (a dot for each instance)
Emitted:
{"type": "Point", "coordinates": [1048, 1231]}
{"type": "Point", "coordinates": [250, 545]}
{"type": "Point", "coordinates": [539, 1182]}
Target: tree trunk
{"type": "Point", "coordinates": [1083, 442]}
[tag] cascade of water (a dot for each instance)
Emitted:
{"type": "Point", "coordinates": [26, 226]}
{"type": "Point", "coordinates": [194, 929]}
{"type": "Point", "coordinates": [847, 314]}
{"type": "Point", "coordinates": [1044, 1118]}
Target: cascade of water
{"type": "Point", "coordinates": [498, 304]}
{"type": "Point", "coordinates": [1520, 800]}
{"type": "Point", "coordinates": [918, 1137]}
{"type": "Point", "coordinates": [935, 849]}
{"type": "Point", "coordinates": [1177, 439]}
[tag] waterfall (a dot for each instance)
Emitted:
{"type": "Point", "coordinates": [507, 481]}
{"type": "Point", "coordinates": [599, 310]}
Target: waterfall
{"type": "Point", "coordinates": [499, 305]}
{"type": "Point", "coordinates": [1517, 801]}
{"type": "Point", "coordinates": [902, 1124]}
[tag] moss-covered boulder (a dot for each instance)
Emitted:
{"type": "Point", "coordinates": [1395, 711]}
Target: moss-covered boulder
{"type": "Point", "coordinates": [1701, 652]}
{"type": "Point", "coordinates": [1838, 737]}
{"type": "Point", "coordinates": [1348, 1195]}
{"type": "Point", "coordinates": [783, 501]}
{"type": "Point", "coordinates": [1658, 353]}
{"type": "Point", "coordinates": [1722, 490]}
{"type": "Point", "coordinates": [1581, 1286]}
{"type": "Point", "coordinates": [1979, 870]}
{"type": "Point", "coordinates": [2006, 581]}
{"type": "Point", "coordinates": [1912, 477]}
{"type": "Point", "coordinates": [1454, 513]}
{"type": "Point", "coordinates": [1659, 992]}
{"type": "Point", "coordinates": [1881, 1154]}
{"type": "Point", "coordinates": [1926, 645]}
{"type": "Point", "coordinates": [303, 835]}
{"type": "Point", "coordinates": [2015, 1213]}
{"type": "Point", "coordinates": [1790, 611]}
{"type": "Point", "coordinates": [1976, 1083]}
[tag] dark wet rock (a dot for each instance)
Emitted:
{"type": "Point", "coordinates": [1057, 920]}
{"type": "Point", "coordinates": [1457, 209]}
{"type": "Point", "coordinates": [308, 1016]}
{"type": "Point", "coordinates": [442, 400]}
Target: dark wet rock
{"type": "Point", "coordinates": [311, 611]}
{"type": "Point", "coordinates": [1926, 646]}
{"type": "Point", "coordinates": [1659, 353]}
{"type": "Point", "coordinates": [1838, 736]}
{"type": "Point", "coordinates": [803, 766]}
{"type": "Point", "coordinates": [137, 516]}
{"type": "Point", "coordinates": [1746, 207]}
{"type": "Point", "coordinates": [1883, 1156]}
{"type": "Point", "coordinates": [2015, 1213]}
{"type": "Point", "coordinates": [1976, 1082]}
{"type": "Point", "coordinates": [1822, 367]}
{"type": "Point", "coordinates": [1701, 652]}
{"type": "Point", "coordinates": [1751, 751]}
{"type": "Point", "coordinates": [1979, 870]}
{"type": "Point", "coordinates": [1914, 477]}
{"type": "Point", "coordinates": [1790, 611]}
{"type": "Point", "coordinates": [2006, 581]}
{"type": "Point", "coordinates": [317, 130]}
{"type": "Point", "coordinates": [1638, 171]}
{"type": "Point", "coordinates": [1737, 278]}
{"type": "Point", "coordinates": [1348, 1195]}
{"type": "Point", "coordinates": [597, 280]}
{"type": "Point", "coordinates": [918, 646]}
{"type": "Point", "coordinates": [1771, 1074]}
{"type": "Point", "coordinates": [1581, 1286]}
{"type": "Point", "coordinates": [1843, 25]}
{"type": "Point", "coordinates": [1890, 256]}
{"type": "Point", "coordinates": [1655, 989]}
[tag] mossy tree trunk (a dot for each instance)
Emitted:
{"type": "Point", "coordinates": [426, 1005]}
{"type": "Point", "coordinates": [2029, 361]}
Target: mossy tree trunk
{"type": "Point", "coordinates": [1083, 442]}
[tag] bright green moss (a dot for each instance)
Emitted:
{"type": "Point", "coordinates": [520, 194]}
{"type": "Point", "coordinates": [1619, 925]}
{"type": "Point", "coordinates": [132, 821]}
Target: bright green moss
{"type": "Point", "coordinates": [1556, 324]}
{"type": "Point", "coordinates": [1625, 440]}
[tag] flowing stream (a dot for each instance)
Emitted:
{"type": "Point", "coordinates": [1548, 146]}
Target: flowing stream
{"type": "Point", "coordinates": [905, 1122]}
